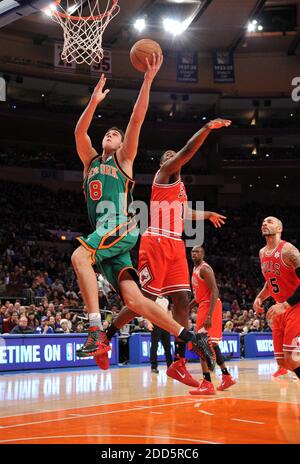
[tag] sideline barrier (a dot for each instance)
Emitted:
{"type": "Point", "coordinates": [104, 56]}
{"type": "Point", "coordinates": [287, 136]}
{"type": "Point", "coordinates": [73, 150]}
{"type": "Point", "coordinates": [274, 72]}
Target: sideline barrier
{"type": "Point", "coordinates": [259, 344]}
{"type": "Point", "coordinates": [139, 347]}
{"type": "Point", "coordinates": [20, 352]}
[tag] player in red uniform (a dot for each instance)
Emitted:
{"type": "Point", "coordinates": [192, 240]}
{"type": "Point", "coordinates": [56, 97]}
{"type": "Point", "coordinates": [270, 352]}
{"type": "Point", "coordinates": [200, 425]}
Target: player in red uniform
{"type": "Point", "coordinates": [209, 319]}
{"type": "Point", "coordinates": [280, 265]}
{"type": "Point", "coordinates": [163, 266]}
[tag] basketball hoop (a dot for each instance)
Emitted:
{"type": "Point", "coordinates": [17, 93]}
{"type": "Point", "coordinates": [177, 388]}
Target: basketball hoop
{"type": "Point", "coordinates": [83, 32]}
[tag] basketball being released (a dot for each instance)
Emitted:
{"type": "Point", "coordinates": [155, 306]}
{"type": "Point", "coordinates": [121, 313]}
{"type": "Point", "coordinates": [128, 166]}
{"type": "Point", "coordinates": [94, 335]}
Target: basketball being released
{"type": "Point", "coordinates": [141, 50]}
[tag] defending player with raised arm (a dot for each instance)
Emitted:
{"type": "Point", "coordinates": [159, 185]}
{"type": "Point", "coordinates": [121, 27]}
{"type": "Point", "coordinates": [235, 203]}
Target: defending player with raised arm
{"type": "Point", "coordinates": [280, 265]}
{"type": "Point", "coordinates": [163, 265]}
{"type": "Point", "coordinates": [108, 186]}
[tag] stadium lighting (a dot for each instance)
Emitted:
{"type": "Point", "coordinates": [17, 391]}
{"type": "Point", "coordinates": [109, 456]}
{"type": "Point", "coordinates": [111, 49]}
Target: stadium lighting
{"type": "Point", "coordinates": [49, 9]}
{"type": "Point", "coordinates": [174, 26]}
{"type": "Point", "coordinates": [140, 24]}
{"type": "Point", "coordinates": [253, 26]}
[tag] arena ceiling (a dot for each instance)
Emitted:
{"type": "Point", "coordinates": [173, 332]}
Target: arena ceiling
{"type": "Point", "coordinates": [215, 24]}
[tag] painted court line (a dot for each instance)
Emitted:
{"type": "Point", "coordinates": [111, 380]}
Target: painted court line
{"type": "Point", "coordinates": [205, 412]}
{"type": "Point", "coordinates": [95, 405]}
{"type": "Point", "coordinates": [118, 436]}
{"type": "Point", "coordinates": [248, 421]}
{"type": "Point", "coordinates": [24, 424]}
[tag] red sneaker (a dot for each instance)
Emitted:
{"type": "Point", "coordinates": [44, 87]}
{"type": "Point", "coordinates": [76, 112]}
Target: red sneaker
{"type": "Point", "coordinates": [102, 360]}
{"type": "Point", "coordinates": [227, 381]}
{"type": "Point", "coordinates": [179, 372]}
{"type": "Point", "coordinates": [205, 388]}
{"type": "Point", "coordinates": [280, 371]}
{"type": "Point", "coordinates": [96, 344]}
{"type": "Point", "coordinates": [101, 355]}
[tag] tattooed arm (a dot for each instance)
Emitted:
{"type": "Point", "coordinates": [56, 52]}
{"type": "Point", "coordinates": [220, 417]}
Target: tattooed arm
{"type": "Point", "coordinates": [291, 255]}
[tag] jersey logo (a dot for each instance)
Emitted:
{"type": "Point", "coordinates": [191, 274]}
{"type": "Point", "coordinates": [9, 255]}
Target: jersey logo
{"type": "Point", "coordinates": [277, 254]}
{"type": "Point", "coordinates": [145, 276]}
{"type": "Point", "coordinates": [93, 172]}
{"type": "Point", "coordinates": [270, 267]}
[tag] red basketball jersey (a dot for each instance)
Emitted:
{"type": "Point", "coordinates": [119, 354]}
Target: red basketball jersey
{"type": "Point", "coordinates": [167, 208]}
{"type": "Point", "coordinates": [201, 290]}
{"type": "Point", "coordinates": [281, 279]}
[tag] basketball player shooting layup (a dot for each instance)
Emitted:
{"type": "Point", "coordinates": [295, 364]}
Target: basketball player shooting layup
{"type": "Point", "coordinates": [280, 265]}
{"type": "Point", "coordinates": [163, 265]}
{"type": "Point", "coordinates": [108, 178]}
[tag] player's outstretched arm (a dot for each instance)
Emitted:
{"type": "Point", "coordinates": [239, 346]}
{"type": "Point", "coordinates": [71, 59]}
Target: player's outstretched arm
{"type": "Point", "coordinates": [217, 219]}
{"type": "Point", "coordinates": [84, 145]}
{"type": "Point", "coordinates": [192, 146]}
{"type": "Point", "coordinates": [128, 151]}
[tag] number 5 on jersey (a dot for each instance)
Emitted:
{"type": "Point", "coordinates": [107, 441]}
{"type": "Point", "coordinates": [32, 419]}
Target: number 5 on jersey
{"type": "Point", "coordinates": [95, 188]}
{"type": "Point", "coordinates": [274, 284]}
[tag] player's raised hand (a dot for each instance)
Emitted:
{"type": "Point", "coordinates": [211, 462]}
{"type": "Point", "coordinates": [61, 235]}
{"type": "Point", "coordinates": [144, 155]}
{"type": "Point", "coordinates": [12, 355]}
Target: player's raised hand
{"type": "Point", "coordinates": [218, 123]}
{"type": "Point", "coordinates": [154, 67]}
{"type": "Point", "coordinates": [217, 219]}
{"type": "Point", "coordinates": [98, 94]}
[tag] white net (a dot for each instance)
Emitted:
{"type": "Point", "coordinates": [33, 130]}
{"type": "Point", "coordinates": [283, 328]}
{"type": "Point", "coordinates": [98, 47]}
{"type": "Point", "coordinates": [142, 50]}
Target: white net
{"type": "Point", "coordinates": [83, 23]}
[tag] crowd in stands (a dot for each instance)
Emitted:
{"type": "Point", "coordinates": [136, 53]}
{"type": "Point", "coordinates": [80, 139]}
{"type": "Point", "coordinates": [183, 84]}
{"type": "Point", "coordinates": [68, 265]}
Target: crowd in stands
{"type": "Point", "coordinates": [68, 159]}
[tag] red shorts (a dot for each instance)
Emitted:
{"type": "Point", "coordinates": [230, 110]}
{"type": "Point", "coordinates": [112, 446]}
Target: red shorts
{"type": "Point", "coordinates": [163, 266]}
{"type": "Point", "coordinates": [286, 331]}
{"type": "Point", "coordinates": [215, 331]}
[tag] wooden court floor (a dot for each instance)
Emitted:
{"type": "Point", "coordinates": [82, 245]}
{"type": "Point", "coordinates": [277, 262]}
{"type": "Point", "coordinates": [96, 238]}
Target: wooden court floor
{"type": "Point", "coordinates": [132, 405]}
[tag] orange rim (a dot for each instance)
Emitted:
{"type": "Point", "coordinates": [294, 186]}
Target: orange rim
{"type": "Point", "coordinates": [78, 18]}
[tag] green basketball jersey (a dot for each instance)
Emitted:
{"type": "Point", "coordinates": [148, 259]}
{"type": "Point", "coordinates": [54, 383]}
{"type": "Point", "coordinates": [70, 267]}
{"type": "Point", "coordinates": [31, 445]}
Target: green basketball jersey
{"type": "Point", "coordinates": [108, 193]}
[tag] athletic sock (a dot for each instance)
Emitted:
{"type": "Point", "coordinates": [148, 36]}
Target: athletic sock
{"type": "Point", "coordinates": [111, 331]}
{"type": "Point", "coordinates": [297, 372]}
{"type": "Point", "coordinates": [95, 320]}
{"type": "Point", "coordinates": [207, 376]}
{"type": "Point", "coordinates": [186, 335]}
{"type": "Point", "coordinates": [179, 350]}
{"type": "Point", "coordinates": [225, 371]}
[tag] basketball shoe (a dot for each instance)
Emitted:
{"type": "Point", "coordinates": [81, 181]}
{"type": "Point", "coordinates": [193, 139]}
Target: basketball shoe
{"type": "Point", "coordinates": [205, 388]}
{"type": "Point", "coordinates": [280, 371]}
{"type": "Point", "coordinates": [203, 347]}
{"type": "Point", "coordinates": [227, 381]}
{"type": "Point", "coordinates": [179, 372]}
{"type": "Point", "coordinates": [95, 345]}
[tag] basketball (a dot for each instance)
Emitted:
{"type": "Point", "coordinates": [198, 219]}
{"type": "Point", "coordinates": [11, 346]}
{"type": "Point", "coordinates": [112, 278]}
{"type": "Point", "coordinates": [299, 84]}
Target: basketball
{"type": "Point", "coordinates": [141, 50]}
